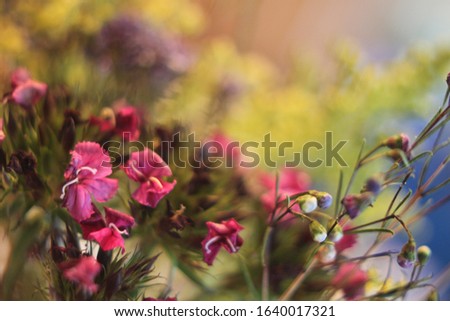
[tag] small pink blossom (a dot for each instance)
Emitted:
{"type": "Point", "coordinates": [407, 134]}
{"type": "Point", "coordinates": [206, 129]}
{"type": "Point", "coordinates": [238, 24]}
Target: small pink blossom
{"type": "Point", "coordinates": [224, 234]}
{"type": "Point", "coordinates": [83, 272]}
{"type": "Point", "coordinates": [19, 77]}
{"type": "Point", "coordinates": [85, 177]}
{"type": "Point", "coordinates": [107, 231]}
{"type": "Point", "coordinates": [220, 146]}
{"type": "Point", "coordinates": [290, 182]}
{"type": "Point", "coordinates": [346, 242]}
{"type": "Point", "coordinates": [351, 279]}
{"type": "Point", "coordinates": [2, 133]}
{"type": "Point", "coordinates": [26, 91]}
{"type": "Point", "coordinates": [149, 169]}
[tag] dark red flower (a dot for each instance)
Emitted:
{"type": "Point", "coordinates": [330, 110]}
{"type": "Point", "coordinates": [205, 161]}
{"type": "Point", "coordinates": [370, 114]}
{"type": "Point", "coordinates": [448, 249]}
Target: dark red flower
{"type": "Point", "coordinates": [224, 234]}
{"type": "Point", "coordinates": [85, 177]}
{"type": "Point", "coordinates": [127, 123]}
{"type": "Point", "coordinates": [148, 168]}
{"type": "Point", "coordinates": [124, 122]}
{"type": "Point", "coordinates": [83, 272]}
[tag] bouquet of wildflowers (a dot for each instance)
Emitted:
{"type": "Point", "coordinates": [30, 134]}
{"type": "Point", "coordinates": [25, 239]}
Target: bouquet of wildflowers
{"type": "Point", "coordinates": [106, 197]}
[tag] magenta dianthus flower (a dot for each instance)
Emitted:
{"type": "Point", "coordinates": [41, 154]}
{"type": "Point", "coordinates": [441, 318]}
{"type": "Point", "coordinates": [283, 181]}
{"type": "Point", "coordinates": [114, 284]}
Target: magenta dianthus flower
{"type": "Point", "coordinates": [149, 169]}
{"type": "Point", "coordinates": [83, 272]}
{"type": "Point", "coordinates": [85, 177]}
{"type": "Point", "coordinates": [107, 231]}
{"type": "Point", "coordinates": [224, 234]}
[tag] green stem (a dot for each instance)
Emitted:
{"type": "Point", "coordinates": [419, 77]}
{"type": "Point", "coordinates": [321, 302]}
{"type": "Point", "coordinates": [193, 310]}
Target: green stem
{"type": "Point", "coordinates": [265, 259]}
{"type": "Point", "coordinates": [248, 279]}
{"type": "Point", "coordinates": [303, 215]}
{"type": "Point", "coordinates": [293, 287]}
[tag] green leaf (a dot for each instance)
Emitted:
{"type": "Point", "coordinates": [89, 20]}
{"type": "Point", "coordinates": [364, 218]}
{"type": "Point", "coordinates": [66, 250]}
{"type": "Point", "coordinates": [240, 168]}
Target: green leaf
{"type": "Point", "coordinates": [25, 239]}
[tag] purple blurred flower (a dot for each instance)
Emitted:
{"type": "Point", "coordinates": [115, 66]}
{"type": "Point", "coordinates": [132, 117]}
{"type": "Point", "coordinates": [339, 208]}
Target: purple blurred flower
{"type": "Point", "coordinates": [131, 45]}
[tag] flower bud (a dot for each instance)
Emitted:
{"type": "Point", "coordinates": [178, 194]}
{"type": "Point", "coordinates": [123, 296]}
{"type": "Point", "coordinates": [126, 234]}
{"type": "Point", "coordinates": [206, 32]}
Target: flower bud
{"type": "Point", "coordinates": [336, 234]}
{"type": "Point", "coordinates": [407, 256]}
{"type": "Point", "coordinates": [423, 254]}
{"type": "Point", "coordinates": [374, 184]}
{"type": "Point", "coordinates": [400, 141]}
{"type": "Point", "coordinates": [397, 155]}
{"type": "Point", "coordinates": [318, 232]}
{"type": "Point", "coordinates": [324, 199]}
{"type": "Point", "coordinates": [327, 253]}
{"type": "Point", "coordinates": [355, 203]}
{"type": "Point", "coordinates": [433, 295]}
{"type": "Point", "coordinates": [68, 133]}
{"type": "Point", "coordinates": [307, 203]}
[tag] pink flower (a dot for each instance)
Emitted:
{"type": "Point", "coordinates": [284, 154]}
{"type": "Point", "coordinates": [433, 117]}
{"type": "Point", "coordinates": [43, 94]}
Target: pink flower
{"type": "Point", "coordinates": [291, 181]}
{"type": "Point", "coordinates": [148, 168]}
{"type": "Point", "coordinates": [125, 122]}
{"type": "Point", "coordinates": [26, 91]}
{"type": "Point", "coordinates": [220, 146]}
{"type": "Point", "coordinates": [85, 177]}
{"type": "Point", "coordinates": [19, 77]}
{"type": "Point", "coordinates": [83, 272]}
{"type": "Point", "coordinates": [351, 279]}
{"type": "Point", "coordinates": [2, 133]}
{"type": "Point", "coordinates": [224, 234]}
{"type": "Point", "coordinates": [346, 242]}
{"type": "Point", "coordinates": [107, 231]}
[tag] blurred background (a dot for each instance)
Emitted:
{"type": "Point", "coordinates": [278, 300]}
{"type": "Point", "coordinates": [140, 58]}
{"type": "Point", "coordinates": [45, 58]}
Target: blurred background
{"type": "Point", "coordinates": [295, 69]}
